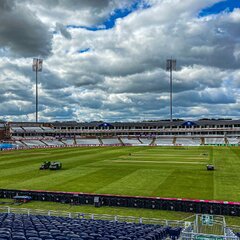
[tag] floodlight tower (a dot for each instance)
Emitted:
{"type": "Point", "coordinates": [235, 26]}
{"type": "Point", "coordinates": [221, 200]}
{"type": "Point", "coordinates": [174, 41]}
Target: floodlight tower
{"type": "Point", "coordinates": [171, 66]}
{"type": "Point", "coordinates": [37, 67]}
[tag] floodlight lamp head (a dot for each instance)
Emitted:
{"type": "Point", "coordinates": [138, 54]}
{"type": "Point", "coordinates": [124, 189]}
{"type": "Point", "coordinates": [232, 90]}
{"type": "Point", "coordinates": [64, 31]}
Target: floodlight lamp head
{"type": "Point", "coordinates": [37, 64]}
{"type": "Point", "coordinates": [171, 64]}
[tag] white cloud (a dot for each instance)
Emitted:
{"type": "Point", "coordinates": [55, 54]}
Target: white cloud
{"type": "Point", "coordinates": [122, 74]}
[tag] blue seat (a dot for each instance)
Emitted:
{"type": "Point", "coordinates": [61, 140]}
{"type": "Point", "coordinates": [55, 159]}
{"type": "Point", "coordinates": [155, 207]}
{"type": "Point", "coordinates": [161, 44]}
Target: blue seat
{"type": "Point", "coordinates": [23, 227]}
{"type": "Point", "coordinates": [76, 238]}
{"type": "Point", "coordinates": [61, 238]}
{"type": "Point", "coordinates": [34, 238]}
{"type": "Point", "coordinates": [18, 238]}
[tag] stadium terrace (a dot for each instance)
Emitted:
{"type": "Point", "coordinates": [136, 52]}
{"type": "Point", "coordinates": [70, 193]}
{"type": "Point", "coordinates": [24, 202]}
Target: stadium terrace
{"type": "Point", "coordinates": [159, 133]}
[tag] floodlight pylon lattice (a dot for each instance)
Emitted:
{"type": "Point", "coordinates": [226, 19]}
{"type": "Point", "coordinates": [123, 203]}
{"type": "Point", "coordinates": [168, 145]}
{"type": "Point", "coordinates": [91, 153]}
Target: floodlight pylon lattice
{"type": "Point", "coordinates": [37, 67]}
{"type": "Point", "coordinates": [171, 65]}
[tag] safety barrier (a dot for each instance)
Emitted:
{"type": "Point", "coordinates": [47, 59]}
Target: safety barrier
{"type": "Point", "coordinates": [170, 204]}
{"type": "Point", "coordinates": [206, 227]}
{"type": "Point", "coordinates": [66, 146]}
{"type": "Point", "coordinates": [190, 230]}
{"type": "Point", "coordinates": [116, 218]}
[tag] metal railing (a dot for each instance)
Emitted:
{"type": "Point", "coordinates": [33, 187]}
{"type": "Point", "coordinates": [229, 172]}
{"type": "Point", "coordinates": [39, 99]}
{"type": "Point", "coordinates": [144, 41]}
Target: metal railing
{"type": "Point", "coordinates": [216, 230]}
{"type": "Point", "coordinates": [93, 216]}
{"type": "Point", "coordinates": [190, 230]}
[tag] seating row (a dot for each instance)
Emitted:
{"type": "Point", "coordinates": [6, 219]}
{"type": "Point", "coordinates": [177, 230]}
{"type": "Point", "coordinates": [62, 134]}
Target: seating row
{"type": "Point", "coordinates": [24, 227]}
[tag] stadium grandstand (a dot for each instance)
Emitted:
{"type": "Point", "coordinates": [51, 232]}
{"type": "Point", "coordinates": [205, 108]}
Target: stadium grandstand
{"type": "Point", "coordinates": [159, 133]}
{"type": "Point", "coordinates": [208, 221]}
{"type": "Point", "coordinates": [37, 227]}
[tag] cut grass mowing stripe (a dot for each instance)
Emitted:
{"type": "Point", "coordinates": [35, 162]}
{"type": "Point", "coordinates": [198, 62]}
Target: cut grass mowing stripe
{"type": "Point", "coordinates": [227, 174]}
{"type": "Point", "coordinates": [80, 155]}
{"type": "Point", "coordinates": [19, 169]}
{"type": "Point", "coordinates": [34, 156]}
{"type": "Point", "coordinates": [92, 182]}
{"type": "Point", "coordinates": [160, 155]}
{"type": "Point", "coordinates": [165, 156]}
{"type": "Point", "coordinates": [54, 153]}
{"type": "Point", "coordinates": [56, 178]}
{"type": "Point", "coordinates": [141, 182]}
{"type": "Point", "coordinates": [21, 174]}
{"type": "Point", "coordinates": [183, 183]}
{"type": "Point", "coordinates": [159, 162]}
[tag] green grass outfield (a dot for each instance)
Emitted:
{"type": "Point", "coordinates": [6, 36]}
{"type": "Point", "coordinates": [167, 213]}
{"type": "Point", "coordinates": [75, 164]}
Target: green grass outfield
{"type": "Point", "coordinates": [149, 171]}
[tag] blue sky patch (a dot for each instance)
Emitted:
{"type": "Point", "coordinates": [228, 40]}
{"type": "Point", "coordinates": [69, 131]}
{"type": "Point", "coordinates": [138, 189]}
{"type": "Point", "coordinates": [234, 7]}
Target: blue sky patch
{"type": "Point", "coordinates": [121, 13]}
{"type": "Point", "coordinates": [84, 50]}
{"type": "Point", "coordinates": [227, 5]}
{"type": "Point", "coordinates": [117, 14]}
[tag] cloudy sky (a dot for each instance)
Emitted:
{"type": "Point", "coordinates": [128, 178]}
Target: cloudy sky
{"type": "Point", "coordinates": [105, 59]}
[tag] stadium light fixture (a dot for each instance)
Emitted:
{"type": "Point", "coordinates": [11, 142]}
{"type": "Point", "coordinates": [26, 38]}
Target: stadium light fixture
{"type": "Point", "coordinates": [37, 67]}
{"type": "Point", "coordinates": [171, 66]}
